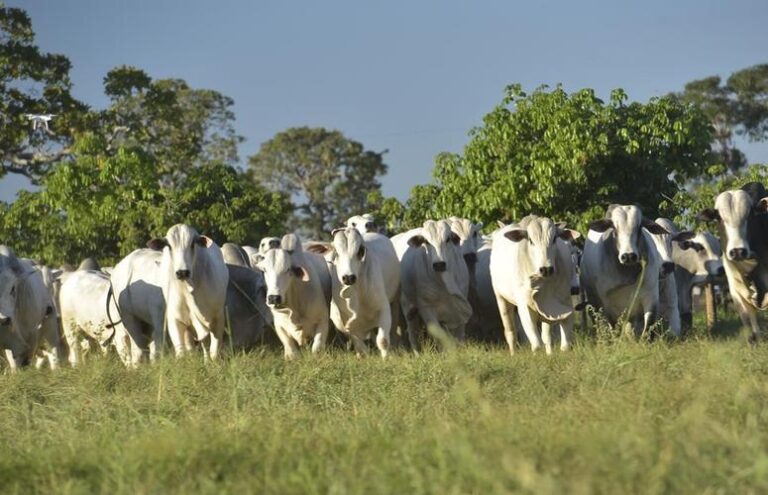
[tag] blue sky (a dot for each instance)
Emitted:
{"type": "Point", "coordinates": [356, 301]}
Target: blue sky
{"type": "Point", "coordinates": [408, 76]}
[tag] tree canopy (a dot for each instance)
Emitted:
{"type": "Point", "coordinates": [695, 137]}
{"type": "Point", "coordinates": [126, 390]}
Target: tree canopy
{"type": "Point", "coordinates": [328, 175]}
{"type": "Point", "coordinates": [566, 156]}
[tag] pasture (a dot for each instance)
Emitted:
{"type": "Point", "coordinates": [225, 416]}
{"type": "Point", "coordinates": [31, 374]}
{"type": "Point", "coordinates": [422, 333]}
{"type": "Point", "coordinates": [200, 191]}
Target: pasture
{"type": "Point", "coordinates": [625, 417]}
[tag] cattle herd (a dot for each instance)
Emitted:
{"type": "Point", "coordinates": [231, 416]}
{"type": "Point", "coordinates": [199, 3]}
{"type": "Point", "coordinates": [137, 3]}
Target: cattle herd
{"type": "Point", "coordinates": [184, 291]}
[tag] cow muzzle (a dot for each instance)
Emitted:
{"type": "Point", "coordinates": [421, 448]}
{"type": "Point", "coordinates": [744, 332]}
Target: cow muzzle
{"type": "Point", "coordinates": [628, 258]}
{"type": "Point", "coordinates": [439, 266]}
{"type": "Point", "coordinates": [349, 279]}
{"type": "Point", "coordinates": [738, 254]}
{"type": "Point", "coordinates": [275, 300]}
{"type": "Point", "coordinates": [546, 271]}
{"type": "Point", "coordinates": [182, 274]}
{"type": "Point", "coordinates": [369, 227]}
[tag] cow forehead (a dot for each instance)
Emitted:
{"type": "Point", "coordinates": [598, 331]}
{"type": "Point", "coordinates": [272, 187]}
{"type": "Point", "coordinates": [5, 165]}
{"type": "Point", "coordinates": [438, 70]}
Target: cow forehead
{"type": "Point", "coordinates": [436, 232]}
{"type": "Point", "coordinates": [462, 227]}
{"type": "Point", "coordinates": [541, 230]}
{"type": "Point", "coordinates": [181, 235]}
{"type": "Point", "coordinates": [347, 240]}
{"type": "Point", "coordinates": [626, 217]}
{"type": "Point", "coordinates": [733, 207]}
{"type": "Point", "coordinates": [277, 260]}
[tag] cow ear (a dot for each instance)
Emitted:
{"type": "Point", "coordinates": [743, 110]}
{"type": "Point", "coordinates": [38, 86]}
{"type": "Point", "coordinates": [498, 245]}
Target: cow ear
{"type": "Point", "coordinates": [455, 239]}
{"type": "Point", "coordinates": [569, 235]}
{"type": "Point", "coordinates": [56, 274]}
{"type": "Point", "coordinates": [319, 248]}
{"type": "Point", "coordinates": [300, 272]}
{"type": "Point", "coordinates": [708, 215]}
{"type": "Point", "coordinates": [417, 241]}
{"type": "Point", "coordinates": [762, 205]}
{"type": "Point", "coordinates": [684, 237]}
{"type": "Point", "coordinates": [204, 241]}
{"type": "Point", "coordinates": [157, 244]}
{"type": "Point", "coordinates": [654, 228]}
{"type": "Point", "coordinates": [516, 235]}
{"type": "Point", "coordinates": [335, 231]}
{"type": "Point", "coordinates": [500, 224]}
{"type": "Point", "coordinates": [256, 260]}
{"type": "Point", "coordinates": [601, 225]}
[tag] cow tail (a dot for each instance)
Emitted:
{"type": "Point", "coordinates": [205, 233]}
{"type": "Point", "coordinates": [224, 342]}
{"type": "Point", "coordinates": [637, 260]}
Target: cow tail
{"type": "Point", "coordinates": [111, 295]}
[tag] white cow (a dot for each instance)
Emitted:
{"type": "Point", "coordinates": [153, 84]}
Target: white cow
{"type": "Point", "coordinates": [234, 255]}
{"type": "Point", "coordinates": [614, 253]}
{"type": "Point", "coordinates": [194, 283]}
{"type": "Point", "coordinates": [743, 227]}
{"type": "Point", "coordinates": [363, 223]}
{"type": "Point", "coordinates": [434, 281]}
{"type": "Point", "coordinates": [668, 305]}
{"type": "Point", "coordinates": [531, 270]}
{"type": "Point", "coordinates": [27, 314]}
{"type": "Point", "coordinates": [296, 295]}
{"type": "Point", "coordinates": [365, 278]}
{"type": "Point", "coordinates": [268, 243]}
{"type": "Point", "coordinates": [137, 283]}
{"type": "Point", "coordinates": [83, 298]}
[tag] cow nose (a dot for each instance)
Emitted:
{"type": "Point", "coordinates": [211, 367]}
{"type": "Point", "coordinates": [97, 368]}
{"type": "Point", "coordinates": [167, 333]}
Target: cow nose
{"type": "Point", "coordinates": [628, 258]}
{"type": "Point", "coordinates": [439, 266]}
{"type": "Point", "coordinates": [274, 299]}
{"type": "Point", "coordinates": [349, 279]}
{"type": "Point", "coordinates": [667, 267]}
{"type": "Point", "coordinates": [274, 244]}
{"type": "Point", "coordinates": [546, 271]}
{"type": "Point", "coordinates": [470, 257]}
{"type": "Point", "coordinates": [182, 274]}
{"type": "Point", "coordinates": [369, 226]}
{"type": "Point", "coordinates": [5, 321]}
{"type": "Point", "coordinates": [737, 253]}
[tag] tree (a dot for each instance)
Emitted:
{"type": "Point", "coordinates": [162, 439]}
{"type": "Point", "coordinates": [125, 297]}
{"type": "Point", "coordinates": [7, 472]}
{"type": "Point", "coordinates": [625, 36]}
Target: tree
{"type": "Point", "coordinates": [329, 175]}
{"type": "Point", "coordinates": [568, 157]}
{"type": "Point", "coordinates": [108, 203]}
{"type": "Point", "coordinates": [737, 107]}
{"type": "Point", "coordinates": [33, 82]}
{"type": "Point", "coordinates": [179, 126]}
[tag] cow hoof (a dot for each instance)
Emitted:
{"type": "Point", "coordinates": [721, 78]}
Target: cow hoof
{"type": "Point", "coordinates": [752, 339]}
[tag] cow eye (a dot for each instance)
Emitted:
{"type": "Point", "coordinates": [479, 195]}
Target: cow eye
{"type": "Point", "coordinates": [13, 291]}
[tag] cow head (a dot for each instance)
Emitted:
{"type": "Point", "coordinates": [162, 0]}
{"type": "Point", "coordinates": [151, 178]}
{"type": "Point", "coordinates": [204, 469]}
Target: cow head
{"type": "Point", "coordinates": [707, 259]}
{"type": "Point", "coordinates": [438, 240]}
{"type": "Point", "coordinates": [539, 235]}
{"type": "Point", "coordinates": [469, 238]}
{"type": "Point", "coordinates": [279, 273]}
{"type": "Point", "coordinates": [350, 250]}
{"type": "Point", "coordinates": [732, 210]}
{"type": "Point", "coordinates": [662, 244]}
{"type": "Point", "coordinates": [363, 223]}
{"type": "Point", "coordinates": [180, 246]}
{"type": "Point", "coordinates": [626, 222]}
{"type": "Point", "coordinates": [12, 273]}
{"type": "Point", "coordinates": [268, 243]}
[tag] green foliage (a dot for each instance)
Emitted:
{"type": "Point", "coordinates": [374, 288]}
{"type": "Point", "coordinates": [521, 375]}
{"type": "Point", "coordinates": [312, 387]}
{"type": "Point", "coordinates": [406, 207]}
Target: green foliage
{"type": "Point", "coordinates": [32, 82]}
{"type": "Point", "coordinates": [568, 157]}
{"type": "Point", "coordinates": [687, 203]}
{"type": "Point", "coordinates": [107, 204]}
{"type": "Point", "coordinates": [738, 106]}
{"type": "Point", "coordinates": [633, 418]}
{"type": "Point", "coordinates": [330, 175]}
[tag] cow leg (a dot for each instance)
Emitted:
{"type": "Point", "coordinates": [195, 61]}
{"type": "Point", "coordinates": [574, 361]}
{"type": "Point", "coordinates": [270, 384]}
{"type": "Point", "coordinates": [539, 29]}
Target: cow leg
{"type": "Point", "coordinates": [530, 325]}
{"type": "Point", "coordinates": [385, 325]}
{"type": "Point", "coordinates": [413, 320]}
{"type": "Point", "coordinates": [13, 365]}
{"type": "Point", "coordinates": [748, 317]}
{"type": "Point", "coordinates": [176, 332]}
{"type": "Point", "coordinates": [122, 346]}
{"type": "Point", "coordinates": [566, 328]}
{"type": "Point", "coordinates": [360, 348]}
{"type": "Point", "coordinates": [507, 312]}
{"type": "Point", "coordinates": [290, 348]}
{"type": "Point", "coordinates": [546, 337]}
{"type": "Point", "coordinates": [321, 335]}
{"type": "Point", "coordinates": [54, 338]}
{"type": "Point", "coordinates": [70, 334]}
{"type": "Point", "coordinates": [394, 311]}
{"type": "Point", "coordinates": [139, 341]}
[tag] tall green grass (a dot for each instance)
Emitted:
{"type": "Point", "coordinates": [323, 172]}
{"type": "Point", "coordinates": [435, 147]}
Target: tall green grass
{"type": "Point", "coordinates": [627, 417]}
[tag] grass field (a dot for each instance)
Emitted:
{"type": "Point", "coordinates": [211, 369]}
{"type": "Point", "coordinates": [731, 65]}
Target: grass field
{"type": "Point", "coordinates": [622, 418]}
